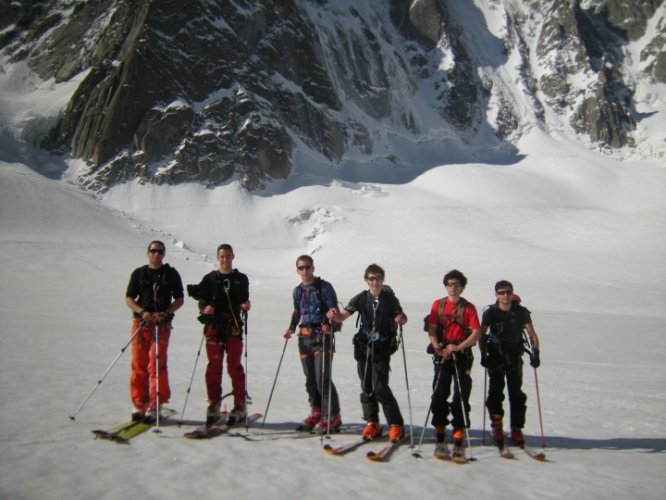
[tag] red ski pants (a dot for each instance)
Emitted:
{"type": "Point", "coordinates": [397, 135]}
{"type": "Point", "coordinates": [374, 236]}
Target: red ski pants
{"type": "Point", "coordinates": [143, 379]}
{"type": "Point", "coordinates": [215, 349]}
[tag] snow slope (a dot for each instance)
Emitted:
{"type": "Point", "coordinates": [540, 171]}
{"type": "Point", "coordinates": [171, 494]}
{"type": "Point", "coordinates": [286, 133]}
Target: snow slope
{"type": "Point", "coordinates": [582, 241]}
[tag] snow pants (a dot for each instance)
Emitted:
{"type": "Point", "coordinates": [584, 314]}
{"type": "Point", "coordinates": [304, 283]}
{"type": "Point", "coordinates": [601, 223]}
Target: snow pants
{"type": "Point", "coordinates": [216, 346]}
{"type": "Point", "coordinates": [143, 377]}
{"type": "Point", "coordinates": [445, 375]}
{"type": "Point", "coordinates": [316, 355]}
{"type": "Point", "coordinates": [517, 398]}
{"type": "Point", "coordinates": [373, 364]}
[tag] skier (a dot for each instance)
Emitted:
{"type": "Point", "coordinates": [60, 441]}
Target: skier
{"type": "Point", "coordinates": [149, 292]}
{"type": "Point", "coordinates": [501, 355]}
{"type": "Point", "coordinates": [222, 296]}
{"type": "Point", "coordinates": [453, 329]}
{"type": "Point", "coordinates": [379, 313]}
{"type": "Point", "coordinates": [312, 299]}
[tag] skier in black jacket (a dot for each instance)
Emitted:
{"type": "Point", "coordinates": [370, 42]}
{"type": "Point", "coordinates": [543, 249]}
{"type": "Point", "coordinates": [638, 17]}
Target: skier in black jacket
{"type": "Point", "coordinates": [501, 354]}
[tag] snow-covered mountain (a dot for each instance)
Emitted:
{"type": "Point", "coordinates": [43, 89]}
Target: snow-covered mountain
{"type": "Point", "coordinates": [208, 91]}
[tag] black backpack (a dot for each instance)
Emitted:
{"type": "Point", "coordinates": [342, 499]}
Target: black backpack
{"type": "Point", "coordinates": [506, 334]}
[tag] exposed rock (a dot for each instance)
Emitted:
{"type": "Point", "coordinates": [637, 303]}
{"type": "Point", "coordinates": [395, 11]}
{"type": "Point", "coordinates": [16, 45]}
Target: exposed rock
{"type": "Point", "coordinates": [218, 91]}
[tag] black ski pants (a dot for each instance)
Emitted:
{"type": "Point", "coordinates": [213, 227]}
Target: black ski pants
{"type": "Point", "coordinates": [445, 376]}
{"type": "Point", "coordinates": [513, 376]}
{"type": "Point", "coordinates": [373, 363]}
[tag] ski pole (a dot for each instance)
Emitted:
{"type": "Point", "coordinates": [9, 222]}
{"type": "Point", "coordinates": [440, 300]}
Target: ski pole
{"type": "Point", "coordinates": [189, 387]}
{"type": "Point", "coordinates": [462, 405]}
{"type": "Point", "coordinates": [157, 379]}
{"type": "Point", "coordinates": [245, 402]}
{"type": "Point", "coordinates": [101, 379]}
{"type": "Point", "coordinates": [409, 399]}
{"type": "Point", "coordinates": [417, 453]}
{"type": "Point", "coordinates": [536, 385]}
{"type": "Point", "coordinates": [330, 380]}
{"type": "Point", "coordinates": [485, 385]}
{"type": "Point", "coordinates": [156, 287]}
{"type": "Point", "coordinates": [322, 380]}
{"type": "Point", "coordinates": [270, 397]}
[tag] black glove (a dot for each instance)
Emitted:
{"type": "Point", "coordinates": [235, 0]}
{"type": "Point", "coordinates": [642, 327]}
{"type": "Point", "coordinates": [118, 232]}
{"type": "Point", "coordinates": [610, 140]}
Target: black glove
{"type": "Point", "coordinates": [485, 361]}
{"type": "Point", "coordinates": [534, 358]}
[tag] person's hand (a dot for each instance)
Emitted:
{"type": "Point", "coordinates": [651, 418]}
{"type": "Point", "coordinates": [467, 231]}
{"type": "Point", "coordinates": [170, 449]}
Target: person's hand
{"type": "Point", "coordinates": [333, 315]}
{"type": "Point", "coordinates": [451, 348]}
{"type": "Point", "coordinates": [401, 319]}
{"type": "Point", "coordinates": [534, 358]}
{"type": "Point", "coordinates": [288, 333]}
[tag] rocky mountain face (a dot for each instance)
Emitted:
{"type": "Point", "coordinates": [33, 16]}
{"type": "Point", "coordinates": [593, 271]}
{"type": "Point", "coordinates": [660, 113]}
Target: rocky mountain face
{"type": "Point", "coordinates": [215, 90]}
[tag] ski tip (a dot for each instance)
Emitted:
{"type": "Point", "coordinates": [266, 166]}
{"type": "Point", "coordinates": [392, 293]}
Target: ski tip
{"type": "Point", "coordinates": [102, 434]}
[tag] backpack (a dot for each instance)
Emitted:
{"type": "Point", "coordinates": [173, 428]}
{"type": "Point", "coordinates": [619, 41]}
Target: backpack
{"type": "Point", "coordinates": [336, 327]}
{"type": "Point", "coordinates": [457, 317]}
{"type": "Point", "coordinates": [505, 336]}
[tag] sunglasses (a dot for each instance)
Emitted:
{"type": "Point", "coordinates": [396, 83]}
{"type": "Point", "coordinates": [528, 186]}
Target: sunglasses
{"type": "Point", "coordinates": [504, 292]}
{"type": "Point", "coordinates": [304, 268]}
{"type": "Point", "coordinates": [375, 278]}
{"type": "Point", "coordinates": [156, 250]}
{"type": "Point", "coordinates": [454, 284]}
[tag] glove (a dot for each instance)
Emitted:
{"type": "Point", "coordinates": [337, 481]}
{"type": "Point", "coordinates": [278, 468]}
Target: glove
{"type": "Point", "coordinates": [534, 358]}
{"type": "Point", "coordinates": [485, 361]}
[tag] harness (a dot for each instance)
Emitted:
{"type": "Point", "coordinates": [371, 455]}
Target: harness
{"type": "Point", "coordinates": [307, 329]}
{"type": "Point", "coordinates": [225, 323]}
{"type": "Point", "coordinates": [457, 317]}
{"type": "Point", "coordinates": [156, 287]}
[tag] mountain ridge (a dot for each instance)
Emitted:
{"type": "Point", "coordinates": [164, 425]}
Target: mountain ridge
{"type": "Point", "coordinates": [212, 92]}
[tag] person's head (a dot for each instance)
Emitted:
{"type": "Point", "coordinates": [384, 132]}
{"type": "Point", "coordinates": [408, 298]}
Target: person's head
{"type": "Point", "coordinates": [225, 256]}
{"type": "Point", "coordinates": [374, 276]}
{"type": "Point", "coordinates": [305, 268]}
{"type": "Point", "coordinates": [454, 281]}
{"type": "Point", "coordinates": [155, 253]}
{"type": "Point", "coordinates": [504, 292]}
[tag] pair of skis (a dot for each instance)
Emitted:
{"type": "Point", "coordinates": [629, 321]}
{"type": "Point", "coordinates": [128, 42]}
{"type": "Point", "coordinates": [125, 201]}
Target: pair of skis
{"type": "Point", "coordinates": [505, 452]}
{"type": "Point", "coordinates": [222, 426]}
{"type": "Point", "coordinates": [381, 455]}
{"type": "Point", "coordinates": [122, 433]}
{"type": "Point", "coordinates": [457, 456]}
